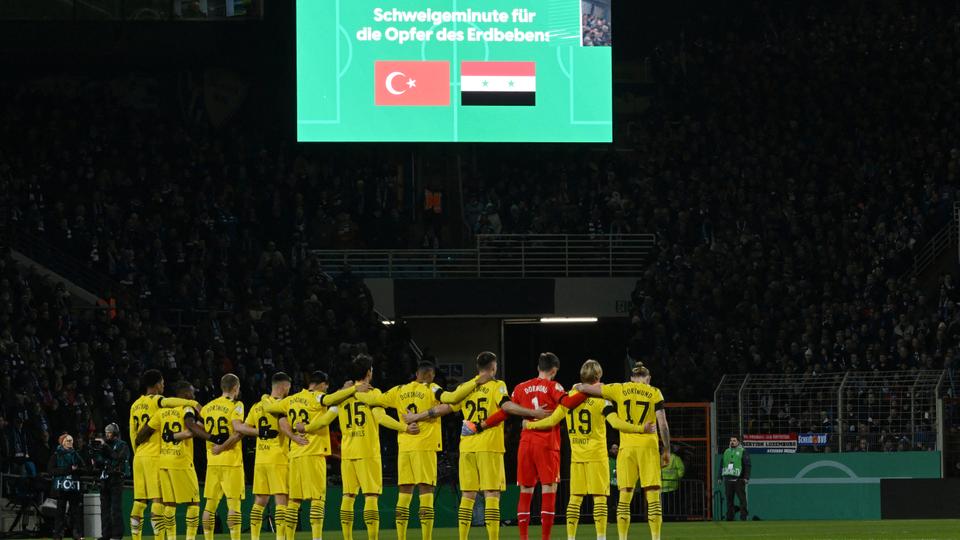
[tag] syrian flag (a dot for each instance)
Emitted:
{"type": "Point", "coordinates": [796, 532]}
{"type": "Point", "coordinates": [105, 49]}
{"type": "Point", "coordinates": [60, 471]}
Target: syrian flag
{"type": "Point", "coordinates": [498, 83]}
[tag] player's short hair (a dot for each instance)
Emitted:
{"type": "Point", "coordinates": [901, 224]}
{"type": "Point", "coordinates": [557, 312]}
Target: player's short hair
{"type": "Point", "coordinates": [548, 361]}
{"type": "Point", "coordinates": [485, 358]}
{"type": "Point", "coordinates": [228, 382]}
{"type": "Point", "coordinates": [279, 377]}
{"type": "Point", "coordinates": [318, 377]}
{"type": "Point", "coordinates": [591, 371]}
{"type": "Point", "coordinates": [424, 367]}
{"type": "Point", "coordinates": [640, 370]}
{"type": "Point", "coordinates": [181, 387]}
{"type": "Point", "coordinates": [151, 377]}
{"type": "Point", "coordinates": [362, 363]}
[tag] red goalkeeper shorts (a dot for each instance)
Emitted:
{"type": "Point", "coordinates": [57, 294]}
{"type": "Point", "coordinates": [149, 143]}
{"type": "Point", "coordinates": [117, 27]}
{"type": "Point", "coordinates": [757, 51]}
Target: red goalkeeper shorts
{"type": "Point", "coordinates": [537, 463]}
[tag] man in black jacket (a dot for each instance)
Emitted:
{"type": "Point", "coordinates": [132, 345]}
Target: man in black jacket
{"type": "Point", "coordinates": [65, 467]}
{"type": "Point", "coordinates": [112, 455]}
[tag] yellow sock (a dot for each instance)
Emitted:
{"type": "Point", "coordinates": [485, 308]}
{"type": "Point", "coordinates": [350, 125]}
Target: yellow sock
{"type": "Point", "coordinates": [491, 515]}
{"type": "Point", "coordinates": [316, 518]}
{"type": "Point", "coordinates": [600, 516]}
{"type": "Point", "coordinates": [426, 516]}
{"type": "Point", "coordinates": [346, 517]}
{"type": "Point", "coordinates": [293, 516]}
{"type": "Point", "coordinates": [573, 515]}
{"type": "Point", "coordinates": [256, 521]}
{"type": "Point", "coordinates": [464, 517]}
{"type": "Point", "coordinates": [280, 521]}
{"type": "Point", "coordinates": [654, 513]}
{"type": "Point", "coordinates": [193, 521]}
{"type": "Point", "coordinates": [158, 520]}
{"type": "Point", "coordinates": [136, 519]}
{"type": "Point", "coordinates": [234, 518]}
{"type": "Point", "coordinates": [403, 514]}
{"type": "Point", "coordinates": [623, 514]}
{"type": "Point", "coordinates": [209, 519]}
{"type": "Point", "coordinates": [170, 527]}
{"type": "Point", "coordinates": [371, 517]}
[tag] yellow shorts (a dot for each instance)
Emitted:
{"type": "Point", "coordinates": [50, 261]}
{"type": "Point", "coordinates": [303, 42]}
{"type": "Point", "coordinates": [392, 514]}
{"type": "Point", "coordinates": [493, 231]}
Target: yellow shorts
{"type": "Point", "coordinates": [590, 478]}
{"type": "Point", "coordinates": [270, 479]}
{"type": "Point", "coordinates": [482, 471]}
{"type": "Point", "coordinates": [224, 480]}
{"type": "Point", "coordinates": [179, 486]}
{"type": "Point", "coordinates": [364, 475]}
{"type": "Point", "coordinates": [417, 467]}
{"type": "Point", "coordinates": [639, 464]}
{"type": "Point", "coordinates": [146, 477]}
{"type": "Point", "coordinates": [308, 477]}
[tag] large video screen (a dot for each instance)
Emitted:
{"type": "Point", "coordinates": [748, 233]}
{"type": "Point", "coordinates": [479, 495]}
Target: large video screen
{"type": "Point", "coordinates": [454, 70]}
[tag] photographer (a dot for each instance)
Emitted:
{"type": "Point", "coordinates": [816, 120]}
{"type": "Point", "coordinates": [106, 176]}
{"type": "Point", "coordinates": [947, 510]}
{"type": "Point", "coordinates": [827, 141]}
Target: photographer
{"type": "Point", "coordinates": [65, 467]}
{"type": "Point", "coordinates": [112, 456]}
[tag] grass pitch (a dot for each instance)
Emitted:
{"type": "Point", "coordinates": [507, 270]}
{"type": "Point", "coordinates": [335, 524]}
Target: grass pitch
{"type": "Point", "coordinates": [786, 530]}
{"type": "Point", "coordinates": [806, 530]}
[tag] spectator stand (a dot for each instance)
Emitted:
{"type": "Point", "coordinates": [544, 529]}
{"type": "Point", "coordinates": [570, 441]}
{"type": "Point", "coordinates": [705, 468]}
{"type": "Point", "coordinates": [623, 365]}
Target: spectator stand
{"type": "Point", "coordinates": [859, 411]}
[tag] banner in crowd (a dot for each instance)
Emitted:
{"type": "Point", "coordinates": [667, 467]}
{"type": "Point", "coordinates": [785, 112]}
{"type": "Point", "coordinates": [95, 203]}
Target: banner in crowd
{"type": "Point", "coordinates": [454, 70]}
{"type": "Point", "coordinates": [771, 443]}
{"type": "Point", "coordinates": [812, 439]}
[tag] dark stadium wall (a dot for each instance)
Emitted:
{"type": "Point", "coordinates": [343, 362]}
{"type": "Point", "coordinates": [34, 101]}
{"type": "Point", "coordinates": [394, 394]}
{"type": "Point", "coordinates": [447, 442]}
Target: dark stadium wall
{"type": "Point", "coordinates": [490, 297]}
{"type": "Point", "coordinates": [560, 297]}
{"type": "Point", "coordinates": [603, 341]}
{"type": "Point", "coordinates": [926, 498]}
{"type": "Point", "coordinates": [453, 343]}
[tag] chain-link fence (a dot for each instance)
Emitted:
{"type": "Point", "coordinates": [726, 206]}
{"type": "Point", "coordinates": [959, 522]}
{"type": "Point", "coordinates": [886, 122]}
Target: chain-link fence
{"type": "Point", "coordinates": [857, 411]}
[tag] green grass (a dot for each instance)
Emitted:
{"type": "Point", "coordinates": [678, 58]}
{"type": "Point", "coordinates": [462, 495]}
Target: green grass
{"type": "Point", "coordinates": [821, 530]}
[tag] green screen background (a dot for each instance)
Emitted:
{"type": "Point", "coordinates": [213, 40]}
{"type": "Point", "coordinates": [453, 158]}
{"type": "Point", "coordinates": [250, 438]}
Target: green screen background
{"type": "Point", "coordinates": [335, 77]}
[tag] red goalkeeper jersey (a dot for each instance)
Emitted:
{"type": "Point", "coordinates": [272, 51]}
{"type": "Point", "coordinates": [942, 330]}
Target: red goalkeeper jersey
{"type": "Point", "coordinates": [537, 393]}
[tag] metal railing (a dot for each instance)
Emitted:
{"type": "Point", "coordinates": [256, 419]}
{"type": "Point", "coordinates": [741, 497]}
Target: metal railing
{"type": "Point", "coordinates": [857, 410]}
{"type": "Point", "coordinates": [568, 255]}
{"type": "Point", "coordinates": [71, 268]}
{"type": "Point", "coordinates": [941, 241]}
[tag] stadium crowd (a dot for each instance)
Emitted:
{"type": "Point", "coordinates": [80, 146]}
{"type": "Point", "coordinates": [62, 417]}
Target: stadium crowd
{"type": "Point", "coordinates": [789, 187]}
{"type": "Point", "coordinates": [596, 31]}
{"type": "Point", "coordinates": [788, 183]}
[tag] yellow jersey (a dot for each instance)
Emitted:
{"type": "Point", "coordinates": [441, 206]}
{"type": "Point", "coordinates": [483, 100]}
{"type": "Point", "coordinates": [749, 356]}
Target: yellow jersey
{"type": "Point", "coordinates": [303, 407]}
{"type": "Point", "coordinates": [479, 405]}
{"type": "Point", "coordinates": [637, 404]}
{"type": "Point", "coordinates": [416, 397]}
{"type": "Point", "coordinates": [174, 454]}
{"type": "Point", "coordinates": [360, 428]}
{"type": "Point", "coordinates": [142, 410]}
{"type": "Point", "coordinates": [218, 417]}
{"type": "Point", "coordinates": [269, 451]}
{"type": "Point", "coordinates": [587, 430]}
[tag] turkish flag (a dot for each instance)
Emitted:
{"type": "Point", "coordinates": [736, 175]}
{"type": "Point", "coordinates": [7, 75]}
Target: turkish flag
{"type": "Point", "coordinates": [412, 83]}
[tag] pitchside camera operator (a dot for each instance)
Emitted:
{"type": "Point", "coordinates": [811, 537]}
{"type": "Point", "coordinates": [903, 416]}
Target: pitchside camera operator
{"type": "Point", "coordinates": [65, 468]}
{"type": "Point", "coordinates": [111, 455]}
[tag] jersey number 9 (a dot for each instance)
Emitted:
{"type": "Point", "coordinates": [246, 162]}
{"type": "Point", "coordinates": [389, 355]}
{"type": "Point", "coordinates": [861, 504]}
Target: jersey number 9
{"type": "Point", "coordinates": [585, 420]}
